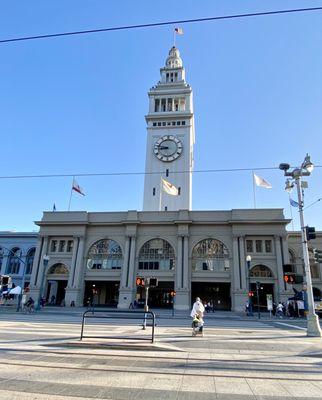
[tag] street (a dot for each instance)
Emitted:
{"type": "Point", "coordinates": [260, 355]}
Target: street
{"type": "Point", "coordinates": [42, 358]}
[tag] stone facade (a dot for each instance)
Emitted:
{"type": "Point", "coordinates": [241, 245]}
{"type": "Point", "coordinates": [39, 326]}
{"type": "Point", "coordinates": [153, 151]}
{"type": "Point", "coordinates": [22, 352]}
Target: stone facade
{"type": "Point", "coordinates": [22, 244]}
{"type": "Point", "coordinates": [215, 269]}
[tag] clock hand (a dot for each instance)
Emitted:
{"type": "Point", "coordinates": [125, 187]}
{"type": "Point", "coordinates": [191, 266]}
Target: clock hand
{"type": "Point", "coordinates": [164, 148]}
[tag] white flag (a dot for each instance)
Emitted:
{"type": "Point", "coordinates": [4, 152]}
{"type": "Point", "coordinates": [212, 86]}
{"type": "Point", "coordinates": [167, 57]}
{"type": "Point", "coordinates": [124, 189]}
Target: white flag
{"type": "Point", "coordinates": [169, 188]}
{"type": "Point", "coordinates": [261, 182]}
{"type": "Point", "coordinates": [178, 31]}
{"type": "Point", "coordinates": [77, 188]}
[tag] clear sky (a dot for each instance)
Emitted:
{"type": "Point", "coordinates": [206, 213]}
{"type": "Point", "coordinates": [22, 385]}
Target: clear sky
{"type": "Point", "coordinates": [77, 104]}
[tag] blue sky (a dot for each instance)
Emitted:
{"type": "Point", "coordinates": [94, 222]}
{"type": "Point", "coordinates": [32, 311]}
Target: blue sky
{"type": "Point", "coordinates": [77, 104]}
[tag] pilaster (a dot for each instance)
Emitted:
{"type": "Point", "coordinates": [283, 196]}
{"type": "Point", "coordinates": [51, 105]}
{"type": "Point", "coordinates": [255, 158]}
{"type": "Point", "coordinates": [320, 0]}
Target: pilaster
{"type": "Point", "coordinates": [279, 263]}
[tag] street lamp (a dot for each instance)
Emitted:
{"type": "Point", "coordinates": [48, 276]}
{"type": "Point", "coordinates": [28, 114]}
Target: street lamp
{"type": "Point", "coordinates": [313, 326]}
{"type": "Point", "coordinates": [45, 261]}
{"type": "Point", "coordinates": [250, 304]}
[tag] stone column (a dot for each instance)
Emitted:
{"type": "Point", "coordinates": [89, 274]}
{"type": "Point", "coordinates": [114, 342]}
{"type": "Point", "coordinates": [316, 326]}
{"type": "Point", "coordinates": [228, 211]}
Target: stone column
{"type": "Point", "coordinates": [38, 268]}
{"type": "Point", "coordinates": [35, 265]}
{"type": "Point", "coordinates": [235, 267]}
{"type": "Point", "coordinates": [279, 263]}
{"type": "Point", "coordinates": [71, 278]}
{"type": "Point", "coordinates": [244, 272]}
{"type": "Point", "coordinates": [76, 293]}
{"type": "Point", "coordinates": [125, 294]}
{"type": "Point", "coordinates": [286, 254]}
{"type": "Point", "coordinates": [125, 267]}
{"type": "Point", "coordinates": [179, 265]}
{"type": "Point", "coordinates": [185, 270]}
{"type": "Point", "coordinates": [41, 268]}
{"type": "Point", "coordinates": [131, 281]}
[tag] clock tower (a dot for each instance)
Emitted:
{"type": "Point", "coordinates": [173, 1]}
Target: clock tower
{"type": "Point", "coordinates": [170, 139]}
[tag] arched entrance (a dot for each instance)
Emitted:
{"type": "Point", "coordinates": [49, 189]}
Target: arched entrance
{"type": "Point", "coordinates": [102, 281]}
{"type": "Point", "coordinates": [211, 273]}
{"type": "Point", "coordinates": [157, 259]}
{"type": "Point", "coordinates": [57, 280]}
{"type": "Point", "coordinates": [262, 277]}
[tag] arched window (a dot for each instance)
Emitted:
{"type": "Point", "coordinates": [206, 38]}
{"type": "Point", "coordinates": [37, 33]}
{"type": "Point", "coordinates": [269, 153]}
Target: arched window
{"type": "Point", "coordinates": [29, 260]}
{"type": "Point", "coordinates": [157, 254]}
{"type": "Point", "coordinates": [13, 261]}
{"type": "Point", "coordinates": [260, 271]}
{"type": "Point", "coordinates": [58, 269]}
{"type": "Point", "coordinates": [210, 255]}
{"type": "Point", "coordinates": [105, 254]}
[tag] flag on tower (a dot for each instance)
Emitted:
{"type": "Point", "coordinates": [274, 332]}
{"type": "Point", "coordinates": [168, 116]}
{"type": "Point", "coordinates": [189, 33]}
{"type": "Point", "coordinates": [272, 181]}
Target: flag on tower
{"type": "Point", "coordinates": [169, 188]}
{"type": "Point", "coordinates": [77, 188]}
{"type": "Point", "coordinates": [261, 182]}
{"type": "Point", "coordinates": [54, 207]}
{"type": "Point", "coordinates": [178, 31]}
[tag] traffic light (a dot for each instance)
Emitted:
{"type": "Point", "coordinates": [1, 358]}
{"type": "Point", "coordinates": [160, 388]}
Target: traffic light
{"type": "Point", "coordinates": [140, 282]}
{"type": "Point", "coordinates": [310, 232]}
{"type": "Point", "coordinates": [290, 278]}
{"type": "Point", "coordinates": [317, 255]}
{"type": "Point", "coordinates": [153, 282]}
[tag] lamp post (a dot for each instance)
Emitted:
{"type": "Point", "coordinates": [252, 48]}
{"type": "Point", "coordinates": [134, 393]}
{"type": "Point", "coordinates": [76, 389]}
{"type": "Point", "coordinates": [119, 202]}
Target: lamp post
{"type": "Point", "coordinates": [250, 303]}
{"type": "Point", "coordinates": [313, 326]}
{"type": "Point", "coordinates": [45, 263]}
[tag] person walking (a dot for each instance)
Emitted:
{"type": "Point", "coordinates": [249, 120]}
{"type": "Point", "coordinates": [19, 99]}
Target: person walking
{"type": "Point", "coordinates": [280, 310]}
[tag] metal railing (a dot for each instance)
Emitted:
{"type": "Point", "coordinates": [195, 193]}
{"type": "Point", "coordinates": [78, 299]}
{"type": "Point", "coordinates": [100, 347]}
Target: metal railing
{"type": "Point", "coordinates": [119, 314]}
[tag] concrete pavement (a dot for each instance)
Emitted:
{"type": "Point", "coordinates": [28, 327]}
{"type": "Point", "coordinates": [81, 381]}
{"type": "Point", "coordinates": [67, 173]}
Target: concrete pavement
{"type": "Point", "coordinates": [42, 358]}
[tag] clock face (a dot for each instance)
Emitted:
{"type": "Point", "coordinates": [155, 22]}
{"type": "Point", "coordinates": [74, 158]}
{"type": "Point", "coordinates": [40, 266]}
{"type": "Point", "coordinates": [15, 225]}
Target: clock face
{"type": "Point", "coordinates": [168, 148]}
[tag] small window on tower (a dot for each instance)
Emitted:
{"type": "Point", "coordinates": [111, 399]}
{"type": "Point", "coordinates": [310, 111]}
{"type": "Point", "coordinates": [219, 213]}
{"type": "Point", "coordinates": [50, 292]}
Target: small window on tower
{"type": "Point", "coordinates": [178, 122]}
{"type": "Point", "coordinates": [173, 123]}
{"type": "Point", "coordinates": [179, 191]}
{"type": "Point", "coordinates": [176, 104]}
{"type": "Point", "coordinates": [183, 122]}
{"type": "Point", "coordinates": [163, 124]}
{"type": "Point", "coordinates": [182, 104]}
{"type": "Point", "coordinates": [159, 123]}
{"type": "Point", "coordinates": [169, 123]}
{"type": "Point", "coordinates": [157, 105]}
{"type": "Point", "coordinates": [167, 77]}
{"type": "Point", "coordinates": [176, 76]}
{"type": "Point", "coordinates": [171, 76]}
{"type": "Point", "coordinates": [169, 104]}
{"type": "Point", "coordinates": [153, 192]}
{"type": "Point", "coordinates": [154, 124]}
{"type": "Point", "coordinates": [163, 104]}
{"type": "Point", "coordinates": [166, 172]}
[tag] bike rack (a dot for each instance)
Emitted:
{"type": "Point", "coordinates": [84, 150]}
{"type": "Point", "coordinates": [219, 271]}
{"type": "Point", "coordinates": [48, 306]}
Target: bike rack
{"type": "Point", "coordinates": [119, 314]}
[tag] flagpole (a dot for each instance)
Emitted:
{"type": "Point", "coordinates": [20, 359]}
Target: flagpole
{"type": "Point", "coordinates": [254, 190]}
{"type": "Point", "coordinates": [160, 197]}
{"type": "Point", "coordinates": [174, 38]}
{"type": "Point", "coordinates": [289, 197]}
{"type": "Point", "coordinates": [71, 193]}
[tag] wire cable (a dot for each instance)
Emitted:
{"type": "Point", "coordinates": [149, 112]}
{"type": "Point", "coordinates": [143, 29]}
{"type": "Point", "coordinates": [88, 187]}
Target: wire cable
{"type": "Point", "coordinates": [200, 171]}
{"type": "Point", "coordinates": [312, 204]}
{"type": "Point", "coordinates": [155, 24]}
